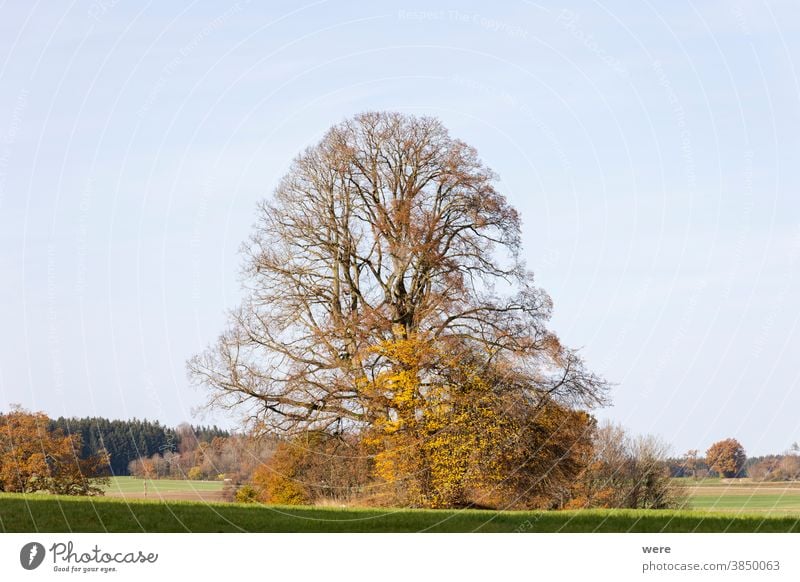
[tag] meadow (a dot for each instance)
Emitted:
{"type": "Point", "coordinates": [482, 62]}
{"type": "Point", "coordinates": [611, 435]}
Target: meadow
{"type": "Point", "coordinates": [189, 506]}
{"type": "Point", "coordinates": [164, 489]}
{"type": "Point", "coordinates": [45, 513]}
{"type": "Point", "coordinates": [736, 496]}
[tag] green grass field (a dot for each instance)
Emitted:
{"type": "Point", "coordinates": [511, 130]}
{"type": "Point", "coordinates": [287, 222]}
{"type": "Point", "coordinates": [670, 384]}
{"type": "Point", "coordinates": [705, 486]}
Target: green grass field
{"type": "Point", "coordinates": [189, 506]}
{"type": "Point", "coordinates": [742, 496]}
{"type": "Point", "coordinates": [44, 513]}
{"type": "Point", "coordinates": [130, 487]}
{"type": "Point", "coordinates": [709, 495]}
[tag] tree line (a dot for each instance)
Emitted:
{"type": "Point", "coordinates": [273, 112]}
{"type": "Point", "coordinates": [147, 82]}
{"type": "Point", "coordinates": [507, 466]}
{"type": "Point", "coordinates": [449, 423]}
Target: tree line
{"type": "Point", "coordinates": [76, 456]}
{"type": "Point", "coordinates": [727, 458]}
{"type": "Point", "coordinates": [128, 440]}
{"type": "Point", "coordinates": [231, 458]}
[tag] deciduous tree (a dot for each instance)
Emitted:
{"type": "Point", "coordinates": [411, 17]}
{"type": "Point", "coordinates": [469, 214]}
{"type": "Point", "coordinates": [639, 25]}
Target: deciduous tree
{"type": "Point", "coordinates": [690, 463]}
{"type": "Point", "coordinates": [726, 457]}
{"type": "Point", "coordinates": [34, 457]}
{"type": "Point", "coordinates": [389, 236]}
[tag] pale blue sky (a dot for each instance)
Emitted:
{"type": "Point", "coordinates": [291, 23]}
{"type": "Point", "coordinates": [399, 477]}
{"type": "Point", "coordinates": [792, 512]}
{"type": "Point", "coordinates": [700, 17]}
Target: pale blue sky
{"type": "Point", "coordinates": [652, 149]}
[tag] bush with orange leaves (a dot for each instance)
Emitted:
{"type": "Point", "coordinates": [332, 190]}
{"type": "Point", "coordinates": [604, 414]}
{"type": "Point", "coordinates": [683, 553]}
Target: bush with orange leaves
{"type": "Point", "coordinates": [314, 468]}
{"type": "Point", "coordinates": [457, 432]}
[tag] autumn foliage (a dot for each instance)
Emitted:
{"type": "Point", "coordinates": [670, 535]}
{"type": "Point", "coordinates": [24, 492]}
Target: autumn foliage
{"type": "Point", "coordinates": [726, 457]}
{"type": "Point", "coordinates": [386, 229]}
{"type": "Point", "coordinates": [435, 439]}
{"type": "Point", "coordinates": [35, 458]}
{"type": "Point", "coordinates": [283, 480]}
{"type": "Point", "coordinates": [458, 433]}
{"type": "Point", "coordinates": [452, 436]}
{"type": "Point", "coordinates": [314, 468]}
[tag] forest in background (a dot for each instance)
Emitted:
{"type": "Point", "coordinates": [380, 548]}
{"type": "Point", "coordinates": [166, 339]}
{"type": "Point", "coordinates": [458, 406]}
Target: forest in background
{"type": "Point", "coordinates": [128, 441]}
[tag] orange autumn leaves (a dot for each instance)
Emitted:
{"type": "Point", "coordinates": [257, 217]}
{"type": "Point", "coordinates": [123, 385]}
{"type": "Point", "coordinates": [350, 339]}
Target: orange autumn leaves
{"type": "Point", "coordinates": [35, 458]}
{"type": "Point", "coordinates": [726, 457]}
{"type": "Point", "coordinates": [451, 435]}
{"type": "Point", "coordinates": [448, 428]}
{"type": "Point", "coordinates": [431, 432]}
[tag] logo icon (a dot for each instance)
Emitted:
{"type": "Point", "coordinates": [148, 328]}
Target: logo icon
{"type": "Point", "coordinates": [31, 555]}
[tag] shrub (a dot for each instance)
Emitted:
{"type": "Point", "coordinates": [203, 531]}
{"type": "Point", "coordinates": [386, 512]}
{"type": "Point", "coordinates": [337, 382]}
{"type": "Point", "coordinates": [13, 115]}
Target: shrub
{"type": "Point", "coordinates": [313, 468]}
{"type": "Point", "coordinates": [247, 494]}
{"type": "Point", "coordinates": [279, 480]}
{"type": "Point", "coordinates": [776, 468]}
{"type": "Point", "coordinates": [627, 472]}
{"type": "Point", "coordinates": [195, 474]}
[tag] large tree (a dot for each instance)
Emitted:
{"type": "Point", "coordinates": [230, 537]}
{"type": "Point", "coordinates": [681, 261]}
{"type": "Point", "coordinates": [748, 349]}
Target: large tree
{"type": "Point", "coordinates": [727, 457]}
{"type": "Point", "coordinates": [35, 457]}
{"type": "Point", "coordinates": [388, 229]}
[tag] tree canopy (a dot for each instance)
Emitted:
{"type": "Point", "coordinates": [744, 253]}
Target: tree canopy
{"type": "Point", "coordinates": [386, 228]}
{"type": "Point", "coordinates": [726, 457]}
